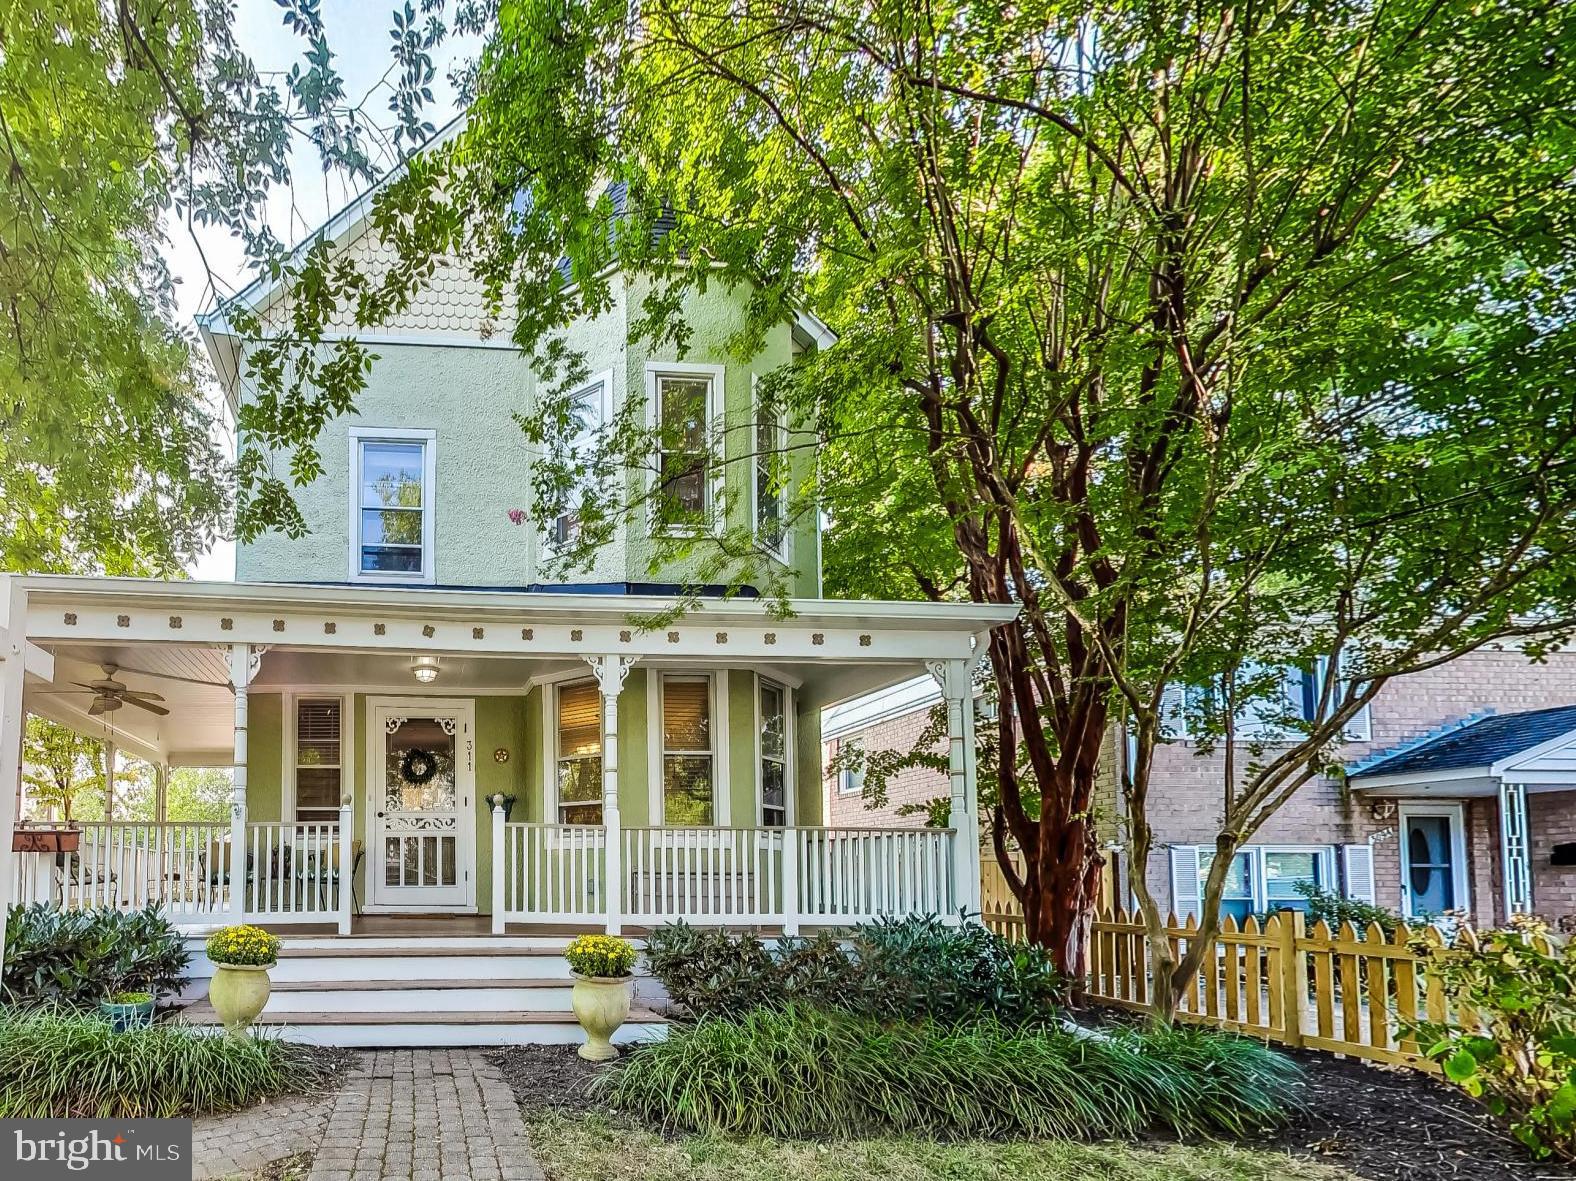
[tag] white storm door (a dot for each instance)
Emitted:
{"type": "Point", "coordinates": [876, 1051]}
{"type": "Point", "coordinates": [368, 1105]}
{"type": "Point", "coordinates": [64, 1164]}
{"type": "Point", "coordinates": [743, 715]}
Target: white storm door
{"type": "Point", "coordinates": [423, 823]}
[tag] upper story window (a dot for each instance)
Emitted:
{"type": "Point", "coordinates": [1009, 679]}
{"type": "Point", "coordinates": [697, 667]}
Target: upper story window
{"type": "Point", "coordinates": [319, 759]}
{"type": "Point", "coordinates": [685, 400]}
{"type": "Point", "coordinates": [589, 410]}
{"type": "Point", "coordinates": [1290, 699]}
{"type": "Point", "coordinates": [391, 527]}
{"type": "Point", "coordinates": [580, 753]}
{"type": "Point", "coordinates": [688, 763]}
{"type": "Point", "coordinates": [771, 485]}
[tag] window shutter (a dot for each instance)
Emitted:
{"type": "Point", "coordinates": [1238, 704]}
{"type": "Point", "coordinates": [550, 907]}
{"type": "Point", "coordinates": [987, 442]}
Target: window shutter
{"type": "Point", "coordinates": [1357, 871]}
{"type": "Point", "coordinates": [1184, 880]}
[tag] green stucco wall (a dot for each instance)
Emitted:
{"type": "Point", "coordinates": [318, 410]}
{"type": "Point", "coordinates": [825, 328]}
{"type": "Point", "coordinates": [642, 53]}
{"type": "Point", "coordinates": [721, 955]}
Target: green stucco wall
{"type": "Point", "coordinates": [264, 754]}
{"type": "Point", "coordinates": [468, 394]}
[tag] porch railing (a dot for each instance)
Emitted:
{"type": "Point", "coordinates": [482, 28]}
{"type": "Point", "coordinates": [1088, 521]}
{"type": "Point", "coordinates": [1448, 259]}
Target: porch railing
{"type": "Point", "coordinates": [721, 876]}
{"type": "Point", "coordinates": [288, 873]}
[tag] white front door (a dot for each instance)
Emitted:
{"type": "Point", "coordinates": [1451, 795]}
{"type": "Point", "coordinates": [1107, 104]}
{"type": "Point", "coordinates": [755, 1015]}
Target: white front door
{"type": "Point", "coordinates": [422, 822]}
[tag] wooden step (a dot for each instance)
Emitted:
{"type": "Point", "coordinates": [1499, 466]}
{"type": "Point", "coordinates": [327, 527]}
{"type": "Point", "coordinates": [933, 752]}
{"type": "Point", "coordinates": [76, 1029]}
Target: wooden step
{"type": "Point", "coordinates": [404, 985]}
{"type": "Point", "coordinates": [202, 1013]}
{"type": "Point", "coordinates": [414, 950]}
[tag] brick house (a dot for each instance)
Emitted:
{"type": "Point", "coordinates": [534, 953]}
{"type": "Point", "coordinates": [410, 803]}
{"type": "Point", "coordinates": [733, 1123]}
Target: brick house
{"type": "Point", "coordinates": [1456, 791]}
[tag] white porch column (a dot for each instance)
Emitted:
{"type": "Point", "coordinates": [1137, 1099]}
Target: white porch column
{"type": "Point", "coordinates": [111, 754]}
{"type": "Point", "coordinates": [13, 651]}
{"type": "Point", "coordinates": [1515, 854]}
{"type": "Point", "coordinates": [161, 793]}
{"type": "Point", "coordinates": [953, 677]}
{"type": "Point", "coordinates": [244, 660]}
{"type": "Point", "coordinates": [610, 673]}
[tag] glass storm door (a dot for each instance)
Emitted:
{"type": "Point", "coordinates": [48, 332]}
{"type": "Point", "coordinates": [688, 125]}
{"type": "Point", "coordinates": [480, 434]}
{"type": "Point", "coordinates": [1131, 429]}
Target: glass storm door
{"type": "Point", "coordinates": [421, 789]}
{"type": "Point", "coordinates": [1428, 848]}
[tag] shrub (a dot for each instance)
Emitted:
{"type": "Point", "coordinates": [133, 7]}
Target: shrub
{"type": "Point", "coordinates": [76, 958]}
{"type": "Point", "coordinates": [601, 955]}
{"type": "Point", "coordinates": [800, 1072]}
{"type": "Point", "coordinates": [917, 967]}
{"type": "Point", "coordinates": [58, 1065]}
{"type": "Point", "coordinates": [1330, 907]}
{"type": "Point", "coordinates": [243, 945]}
{"type": "Point", "coordinates": [1520, 1056]}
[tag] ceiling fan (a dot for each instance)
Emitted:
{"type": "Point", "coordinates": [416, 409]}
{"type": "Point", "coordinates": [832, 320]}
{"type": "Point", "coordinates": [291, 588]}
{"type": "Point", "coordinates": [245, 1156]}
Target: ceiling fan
{"type": "Point", "coordinates": [110, 694]}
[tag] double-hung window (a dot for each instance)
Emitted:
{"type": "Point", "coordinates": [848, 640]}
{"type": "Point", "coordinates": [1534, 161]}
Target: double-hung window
{"type": "Point", "coordinates": [685, 400]}
{"type": "Point", "coordinates": [588, 411]}
{"type": "Point", "coordinates": [771, 484]}
{"type": "Point", "coordinates": [319, 759]}
{"type": "Point", "coordinates": [579, 778]}
{"type": "Point", "coordinates": [1265, 878]}
{"type": "Point", "coordinates": [391, 523]}
{"type": "Point", "coordinates": [774, 755]}
{"type": "Point", "coordinates": [688, 762]}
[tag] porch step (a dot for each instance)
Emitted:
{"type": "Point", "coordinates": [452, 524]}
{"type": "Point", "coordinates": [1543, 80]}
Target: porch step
{"type": "Point", "coordinates": [406, 1028]}
{"type": "Point", "coordinates": [437, 996]}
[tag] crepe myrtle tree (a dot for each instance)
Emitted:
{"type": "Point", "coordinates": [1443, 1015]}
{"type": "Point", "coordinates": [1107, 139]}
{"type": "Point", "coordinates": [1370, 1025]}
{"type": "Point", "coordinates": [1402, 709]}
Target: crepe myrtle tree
{"type": "Point", "coordinates": [1177, 325]}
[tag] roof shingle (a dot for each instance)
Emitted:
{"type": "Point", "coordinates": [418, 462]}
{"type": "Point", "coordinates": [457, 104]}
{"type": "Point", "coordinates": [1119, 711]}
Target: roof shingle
{"type": "Point", "coordinates": [1477, 744]}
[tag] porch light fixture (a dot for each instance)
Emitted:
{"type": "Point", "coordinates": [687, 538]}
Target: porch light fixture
{"type": "Point", "coordinates": [425, 669]}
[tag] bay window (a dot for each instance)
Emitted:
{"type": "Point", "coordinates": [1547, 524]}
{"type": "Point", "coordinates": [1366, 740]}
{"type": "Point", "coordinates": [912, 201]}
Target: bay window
{"type": "Point", "coordinates": [774, 755]}
{"type": "Point", "coordinates": [688, 762]}
{"type": "Point", "coordinates": [579, 753]}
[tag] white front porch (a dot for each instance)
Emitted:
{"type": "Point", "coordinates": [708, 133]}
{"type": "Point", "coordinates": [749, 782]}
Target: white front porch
{"type": "Point", "coordinates": [527, 870]}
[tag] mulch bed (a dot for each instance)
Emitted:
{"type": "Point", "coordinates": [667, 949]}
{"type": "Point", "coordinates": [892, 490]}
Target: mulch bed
{"type": "Point", "coordinates": [1385, 1123]}
{"type": "Point", "coordinates": [549, 1078]}
{"type": "Point", "coordinates": [1381, 1123]}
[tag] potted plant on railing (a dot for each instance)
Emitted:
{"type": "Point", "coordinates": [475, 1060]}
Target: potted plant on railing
{"type": "Point", "coordinates": [239, 989]}
{"type": "Point", "coordinates": [603, 967]}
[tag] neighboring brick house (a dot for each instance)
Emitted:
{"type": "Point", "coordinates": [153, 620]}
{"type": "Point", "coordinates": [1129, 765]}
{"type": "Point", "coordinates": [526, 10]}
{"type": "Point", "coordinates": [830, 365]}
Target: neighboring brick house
{"type": "Point", "coordinates": [893, 719]}
{"type": "Point", "coordinates": [1444, 771]}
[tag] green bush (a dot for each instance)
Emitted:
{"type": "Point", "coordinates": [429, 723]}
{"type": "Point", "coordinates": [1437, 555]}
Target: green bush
{"type": "Point", "coordinates": [76, 958]}
{"type": "Point", "coordinates": [1519, 1057]}
{"type": "Point", "coordinates": [57, 1065]}
{"type": "Point", "coordinates": [801, 1072]}
{"type": "Point", "coordinates": [1332, 908]}
{"type": "Point", "coordinates": [917, 967]}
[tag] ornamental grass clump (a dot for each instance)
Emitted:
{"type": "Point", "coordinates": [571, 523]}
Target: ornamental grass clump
{"type": "Point", "coordinates": [601, 957]}
{"type": "Point", "coordinates": [243, 946]}
{"type": "Point", "coordinates": [56, 1065]}
{"type": "Point", "coordinates": [800, 1072]}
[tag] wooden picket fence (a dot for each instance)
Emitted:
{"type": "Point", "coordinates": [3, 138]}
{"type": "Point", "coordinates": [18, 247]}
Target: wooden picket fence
{"type": "Point", "coordinates": [1352, 992]}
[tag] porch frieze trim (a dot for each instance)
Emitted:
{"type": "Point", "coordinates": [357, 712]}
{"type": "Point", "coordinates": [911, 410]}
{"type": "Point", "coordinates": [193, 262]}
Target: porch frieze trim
{"type": "Point", "coordinates": [860, 641]}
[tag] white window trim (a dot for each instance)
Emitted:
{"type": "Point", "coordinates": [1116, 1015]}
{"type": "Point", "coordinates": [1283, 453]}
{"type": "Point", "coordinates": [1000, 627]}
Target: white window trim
{"type": "Point", "coordinates": [290, 725]}
{"type": "Point", "coordinates": [552, 812]}
{"type": "Point", "coordinates": [715, 374]}
{"type": "Point", "coordinates": [429, 505]}
{"type": "Point", "coordinates": [657, 752]}
{"type": "Point", "coordinates": [783, 551]}
{"type": "Point", "coordinates": [789, 736]}
{"type": "Point", "coordinates": [603, 379]}
{"type": "Point", "coordinates": [1358, 727]}
{"type": "Point", "coordinates": [1460, 877]}
{"type": "Point", "coordinates": [1258, 875]}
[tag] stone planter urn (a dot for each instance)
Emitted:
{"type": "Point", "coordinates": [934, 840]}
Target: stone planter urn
{"type": "Point", "coordinates": [601, 1005]}
{"type": "Point", "coordinates": [238, 993]}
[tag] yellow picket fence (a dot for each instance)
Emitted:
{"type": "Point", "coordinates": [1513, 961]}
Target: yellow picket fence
{"type": "Point", "coordinates": [1352, 992]}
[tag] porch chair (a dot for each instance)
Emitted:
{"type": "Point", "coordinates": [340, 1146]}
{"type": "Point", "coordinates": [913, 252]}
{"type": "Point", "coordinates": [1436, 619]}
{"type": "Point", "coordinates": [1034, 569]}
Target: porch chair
{"type": "Point", "coordinates": [324, 872]}
{"type": "Point", "coordinates": [212, 871]}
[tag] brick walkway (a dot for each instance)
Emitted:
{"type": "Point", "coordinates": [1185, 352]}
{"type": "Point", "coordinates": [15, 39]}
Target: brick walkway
{"type": "Point", "coordinates": [425, 1115]}
{"type": "Point", "coordinates": [246, 1141]}
{"type": "Point", "coordinates": [402, 1115]}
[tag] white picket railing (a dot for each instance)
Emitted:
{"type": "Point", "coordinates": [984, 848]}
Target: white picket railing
{"type": "Point", "coordinates": [292, 872]}
{"type": "Point", "coordinates": [853, 875]}
{"type": "Point", "coordinates": [550, 873]}
{"type": "Point", "coordinates": [704, 875]}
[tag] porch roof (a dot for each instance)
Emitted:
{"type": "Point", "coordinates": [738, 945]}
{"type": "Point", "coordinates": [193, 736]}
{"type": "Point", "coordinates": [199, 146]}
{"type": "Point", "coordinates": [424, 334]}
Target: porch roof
{"type": "Point", "coordinates": [1536, 748]}
{"type": "Point", "coordinates": [172, 638]}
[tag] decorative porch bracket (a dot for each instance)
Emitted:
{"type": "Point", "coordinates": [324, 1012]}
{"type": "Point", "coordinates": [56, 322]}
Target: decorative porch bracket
{"type": "Point", "coordinates": [610, 672]}
{"type": "Point", "coordinates": [1515, 855]}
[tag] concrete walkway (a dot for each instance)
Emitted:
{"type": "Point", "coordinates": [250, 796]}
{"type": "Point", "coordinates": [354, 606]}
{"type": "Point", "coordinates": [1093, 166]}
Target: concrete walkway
{"type": "Point", "coordinates": [402, 1115]}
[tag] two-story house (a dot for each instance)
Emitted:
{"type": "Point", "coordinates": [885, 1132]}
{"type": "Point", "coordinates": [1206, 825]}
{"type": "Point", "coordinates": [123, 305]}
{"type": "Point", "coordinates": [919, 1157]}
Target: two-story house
{"type": "Point", "coordinates": [431, 740]}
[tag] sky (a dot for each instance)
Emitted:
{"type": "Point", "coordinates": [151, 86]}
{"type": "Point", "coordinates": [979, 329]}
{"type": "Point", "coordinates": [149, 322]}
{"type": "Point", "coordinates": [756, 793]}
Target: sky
{"type": "Point", "coordinates": [357, 32]}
